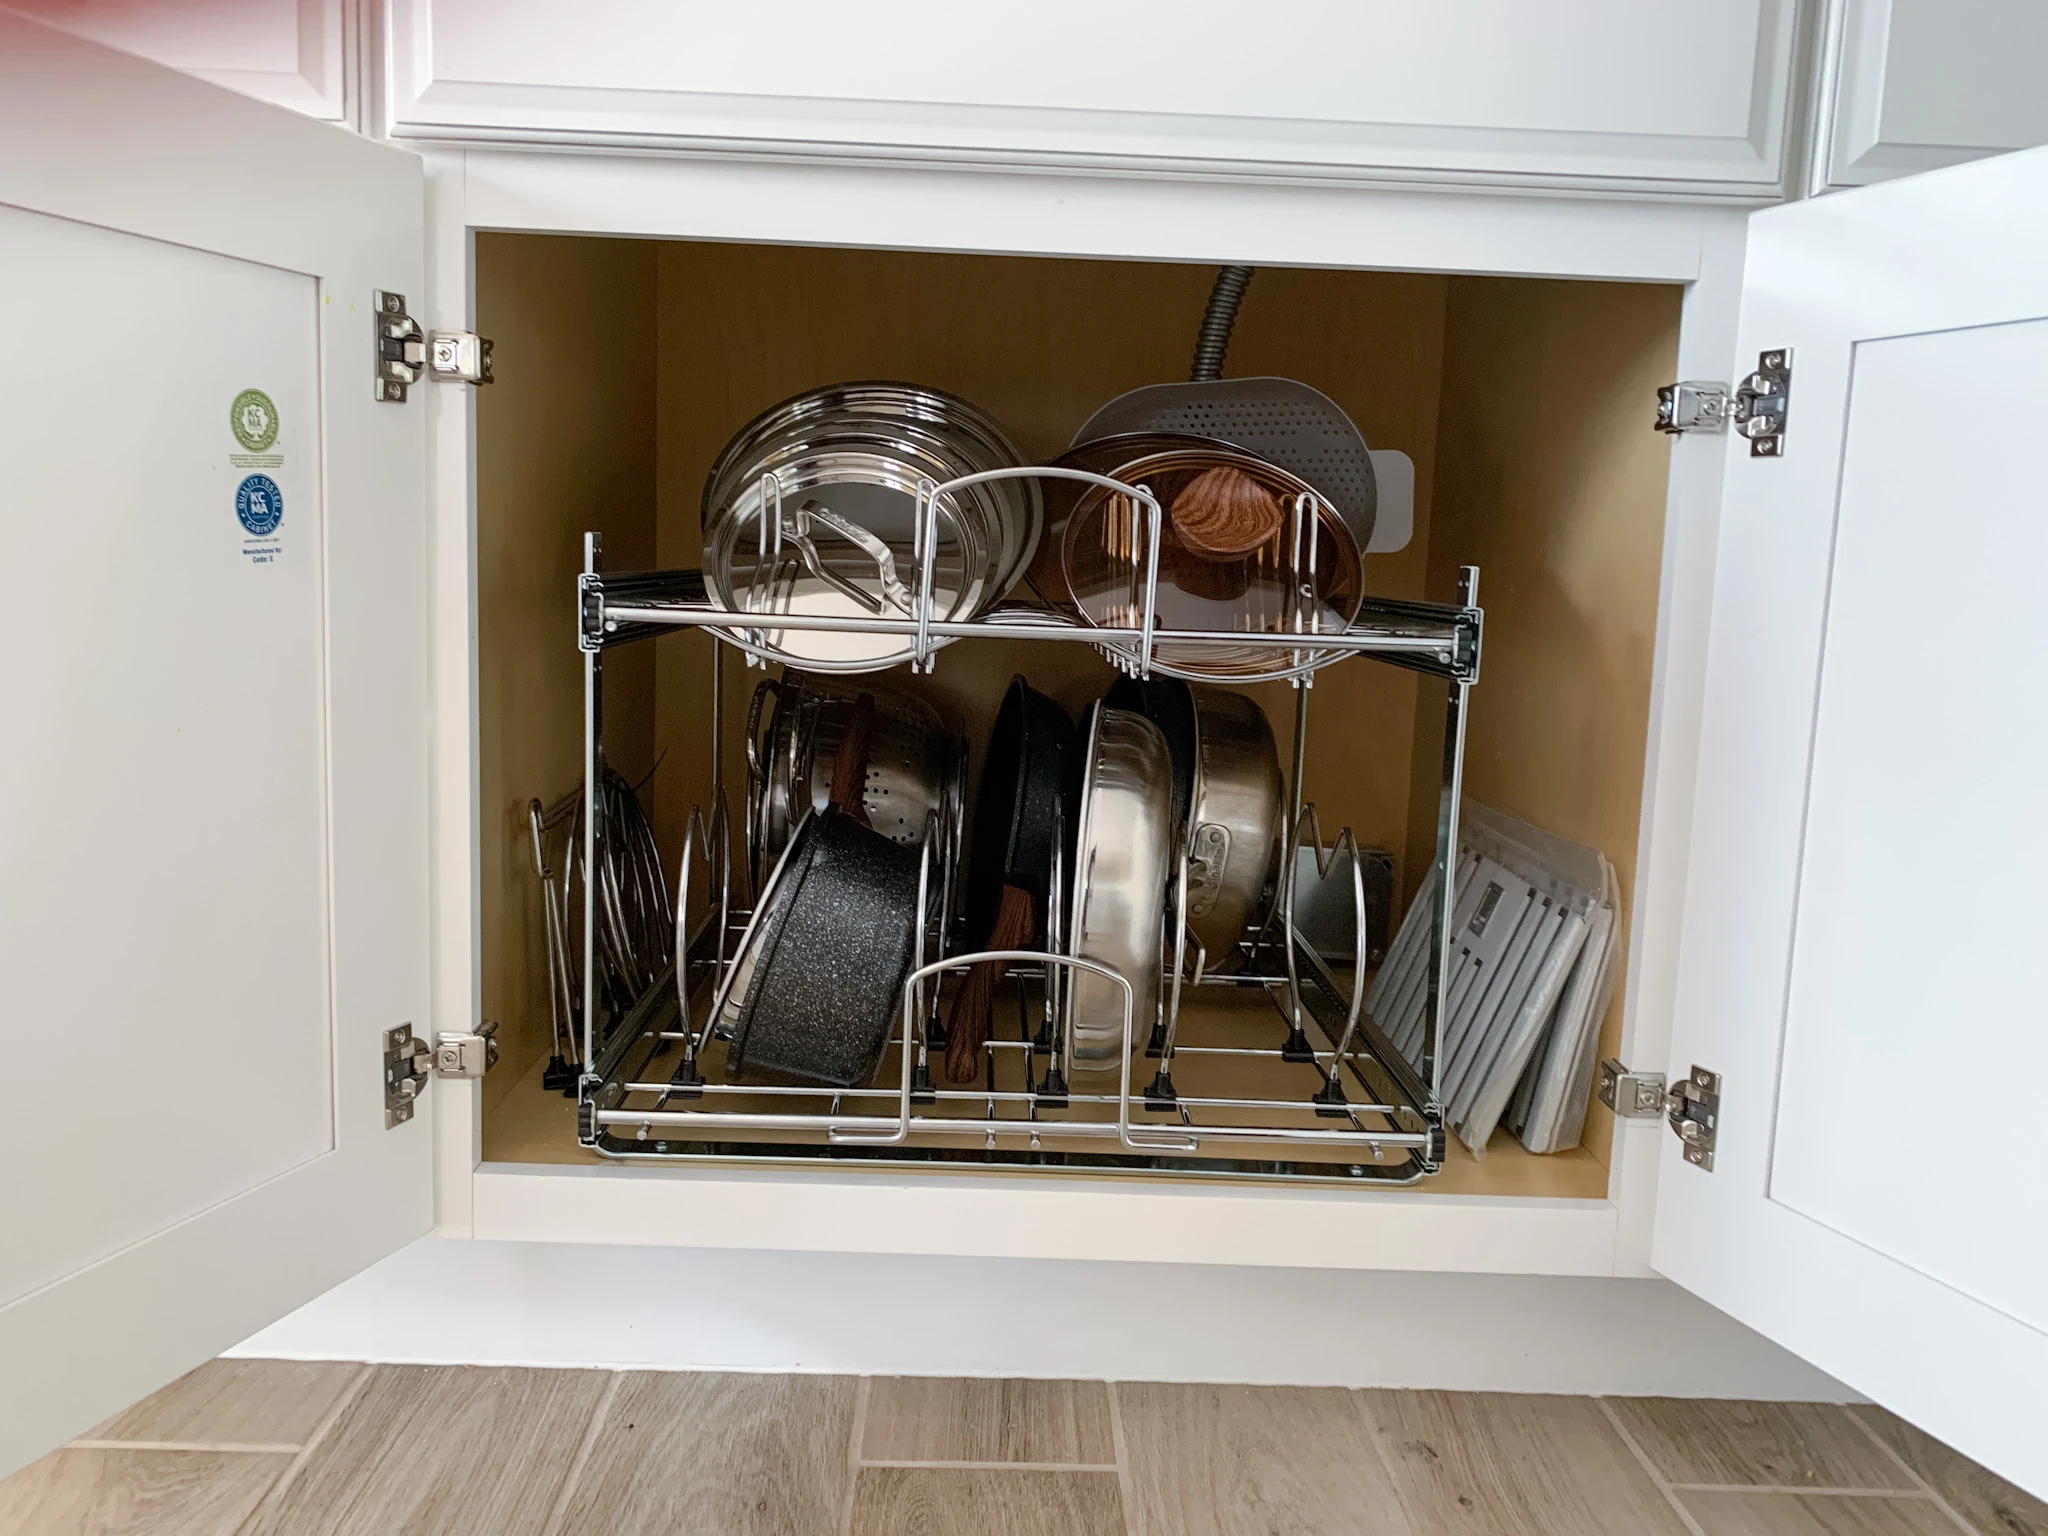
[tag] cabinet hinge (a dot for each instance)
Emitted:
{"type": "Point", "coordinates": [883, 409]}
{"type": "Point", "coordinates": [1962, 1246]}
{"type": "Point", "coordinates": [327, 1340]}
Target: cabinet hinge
{"type": "Point", "coordinates": [467, 1055]}
{"type": "Point", "coordinates": [409, 1064]}
{"type": "Point", "coordinates": [1692, 1105]}
{"type": "Point", "coordinates": [1757, 406]}
{"type": "Point", "coordinates": [405, 353]}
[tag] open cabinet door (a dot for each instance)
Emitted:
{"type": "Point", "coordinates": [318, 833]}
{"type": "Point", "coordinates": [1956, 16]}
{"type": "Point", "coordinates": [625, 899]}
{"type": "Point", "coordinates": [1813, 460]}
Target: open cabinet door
{"type": "Point", "coordinates": [1868, 887]}
{"type": "Point", "coordinates": [215, 723]}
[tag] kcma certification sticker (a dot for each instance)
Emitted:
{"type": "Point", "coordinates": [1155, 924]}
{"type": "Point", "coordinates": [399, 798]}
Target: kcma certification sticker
{"type": "Point", "coordinates": [259, 506]}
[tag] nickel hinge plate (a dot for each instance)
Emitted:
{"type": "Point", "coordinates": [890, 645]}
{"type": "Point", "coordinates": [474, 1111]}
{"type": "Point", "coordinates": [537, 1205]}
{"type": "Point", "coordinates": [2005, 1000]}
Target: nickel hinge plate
{"type": "Point", "coordinates": [407, 1066]}
{"type": "Point", "coordinates": [405, 353]}
{"type": "Point", "coordinates": [1692, 1105]}
{"type": "Point", "coordinates": [1756, 407]}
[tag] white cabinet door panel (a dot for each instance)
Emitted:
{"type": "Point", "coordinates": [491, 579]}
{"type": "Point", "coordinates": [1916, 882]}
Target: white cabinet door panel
{"type": "Point", "coordinates": [1606, 93]}
{"type": "Point", "coordinates": [211, 673]}
{"type": "Point", "coordinates": [286, 51]}
{"type": "Point", "coordinates": [1866, 894]}
{"type": "Point", "coordinates": [1915, 85]}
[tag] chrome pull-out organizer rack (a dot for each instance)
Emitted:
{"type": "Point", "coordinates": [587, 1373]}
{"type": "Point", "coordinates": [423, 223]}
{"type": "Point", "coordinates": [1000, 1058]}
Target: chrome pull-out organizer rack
{"type": "Point", "coordinates": [1267, 1067]}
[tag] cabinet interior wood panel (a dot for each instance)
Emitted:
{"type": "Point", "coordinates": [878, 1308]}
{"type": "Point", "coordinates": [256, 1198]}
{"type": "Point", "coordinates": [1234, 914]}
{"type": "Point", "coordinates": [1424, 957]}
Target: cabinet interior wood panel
{"type": "Point", "coordinates": [1040, 344]}
{"type": "Point", "coordinates": [1563, 512]}
{"type": "Point", "coordinates": [565, 445]}
{"type": "Point", "coordinates": [1602, 93]}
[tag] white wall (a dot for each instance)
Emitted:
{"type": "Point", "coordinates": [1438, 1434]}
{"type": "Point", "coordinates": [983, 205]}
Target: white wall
{"type": "Point", "coordinates": [453, 1300]}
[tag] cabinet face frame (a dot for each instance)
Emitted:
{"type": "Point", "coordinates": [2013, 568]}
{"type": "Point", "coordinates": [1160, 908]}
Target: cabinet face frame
{"type": "Point", "coordinates": [1130, 218]}
{"type": "Point", "coordinates": [1576, 102]}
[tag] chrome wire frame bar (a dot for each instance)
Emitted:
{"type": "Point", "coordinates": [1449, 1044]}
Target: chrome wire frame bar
{"type": "Point", "coordinates": [1443, 640]}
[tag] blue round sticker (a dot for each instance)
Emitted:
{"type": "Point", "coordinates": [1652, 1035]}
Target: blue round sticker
{"type": "Point", "coordinates": [260, 505]}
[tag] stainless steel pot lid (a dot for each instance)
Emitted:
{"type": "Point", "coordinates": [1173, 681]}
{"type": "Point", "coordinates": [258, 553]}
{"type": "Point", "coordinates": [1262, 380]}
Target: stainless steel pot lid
{"type": "Point", "coordinates": [1123, 852]}
{"type": "Point", "coordinates": [846, 463]}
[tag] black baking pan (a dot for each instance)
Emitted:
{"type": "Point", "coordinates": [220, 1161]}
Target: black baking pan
{"type": "Point", "coordinates": [828, 976]}
{"type": "Point", "coordinates": [1030, 801]}
{"type": "Point", "coordinates": [1030, 783]}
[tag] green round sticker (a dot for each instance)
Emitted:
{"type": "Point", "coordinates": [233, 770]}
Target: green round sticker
{"type": "Point", "coordinates": [254, 419]}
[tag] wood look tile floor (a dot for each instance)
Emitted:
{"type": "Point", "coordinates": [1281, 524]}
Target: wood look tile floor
{"type": "Point", "coordinates": [276, 1448]}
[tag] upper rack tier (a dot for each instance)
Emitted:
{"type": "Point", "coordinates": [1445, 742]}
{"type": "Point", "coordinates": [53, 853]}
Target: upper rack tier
{"type": "Point", "coordinates": [1441, 639]}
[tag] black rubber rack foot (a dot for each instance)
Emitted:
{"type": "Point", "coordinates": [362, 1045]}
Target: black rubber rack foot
{"type": "Point", "coordinates": [921, 1089]}
{"type": "Point", "coordinates": [1052, 1093]}
{"type": "Point", "coordinates": [1330, 1101]}
{"type": "Point", "coordinates": [1156, 1046]}
{"type": "Point", "coordinates": [686, 1082]}
{"type": "Point", "coordinates": [558, 1077]}
{"type": "Point", "coordinates": [1160, 1096]}
{"type": "Point", "coordinates": [1297, 1047]}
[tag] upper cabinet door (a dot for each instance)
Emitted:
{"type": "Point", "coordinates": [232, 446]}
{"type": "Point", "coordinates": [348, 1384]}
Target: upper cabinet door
{"type": "Point", "coordinates": [213, 542]}
{"type": "Point", "coordinates": [1915, 85]}
{"type": "Point", "coordinates": [1607, 94]}
{"type": "Point", "coordinates": [296, 53]}
{"type": "Point", "coordinates": [1865, 895]}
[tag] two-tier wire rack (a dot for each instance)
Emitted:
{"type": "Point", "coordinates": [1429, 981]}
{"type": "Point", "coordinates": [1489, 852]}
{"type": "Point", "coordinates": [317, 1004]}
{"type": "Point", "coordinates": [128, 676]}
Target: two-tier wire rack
{"type": "Point", "coordinates": [1316, 1091]}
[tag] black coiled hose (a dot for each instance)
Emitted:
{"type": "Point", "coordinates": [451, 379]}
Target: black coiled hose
{"type": "Point", "coordinates": [1217, 320]}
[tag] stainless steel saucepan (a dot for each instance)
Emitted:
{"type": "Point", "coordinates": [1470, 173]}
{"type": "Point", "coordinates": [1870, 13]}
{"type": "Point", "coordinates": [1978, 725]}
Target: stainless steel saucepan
{"type": "Point", "coordinates": [1236, 827]}
{"type": "Point", "coordinates": [1229, 805]}
{"type": "Point", "coordinates": [915, 771]}
{"type": "Point", "coordinates": [1123, 852]}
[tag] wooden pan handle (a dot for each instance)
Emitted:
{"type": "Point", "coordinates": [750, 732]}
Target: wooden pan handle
{"type": "Point", "coordinates": [850, 767]}
{"type": "Point", "coordinates": [1224, 514]}
{"type": "Point", "coordinates": [974, 1004]}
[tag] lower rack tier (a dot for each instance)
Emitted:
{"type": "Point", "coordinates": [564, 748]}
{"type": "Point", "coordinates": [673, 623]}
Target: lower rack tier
{"type": "Point", "coordinates": [1251, 1099]}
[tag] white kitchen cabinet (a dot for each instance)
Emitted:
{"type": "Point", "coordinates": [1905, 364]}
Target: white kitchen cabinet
{"type": "Point", "coordinates": [1914, 85]}
{"type": "Point", "coordinates": [219, 752]}
{"type": "Point", "coordinates": [1606, 96]}
{"type": "Point", "coordinates": [1751, 824]}
{"type": "Point", "coordinates": [302, 54]}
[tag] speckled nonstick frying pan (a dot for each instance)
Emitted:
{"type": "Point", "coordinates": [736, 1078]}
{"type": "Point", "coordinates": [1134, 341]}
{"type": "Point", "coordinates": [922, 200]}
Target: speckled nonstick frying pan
{"type": "Point", "coordinates": [828, 982]}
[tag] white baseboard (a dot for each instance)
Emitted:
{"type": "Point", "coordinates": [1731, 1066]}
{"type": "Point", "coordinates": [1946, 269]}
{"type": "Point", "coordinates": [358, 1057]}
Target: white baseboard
{"type": "Point", "coordinates": [461, 1301]}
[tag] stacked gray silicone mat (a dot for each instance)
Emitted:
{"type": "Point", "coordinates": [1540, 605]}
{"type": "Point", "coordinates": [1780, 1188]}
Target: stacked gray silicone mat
{"type": "Point", "coordinates": [1533, 942]}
